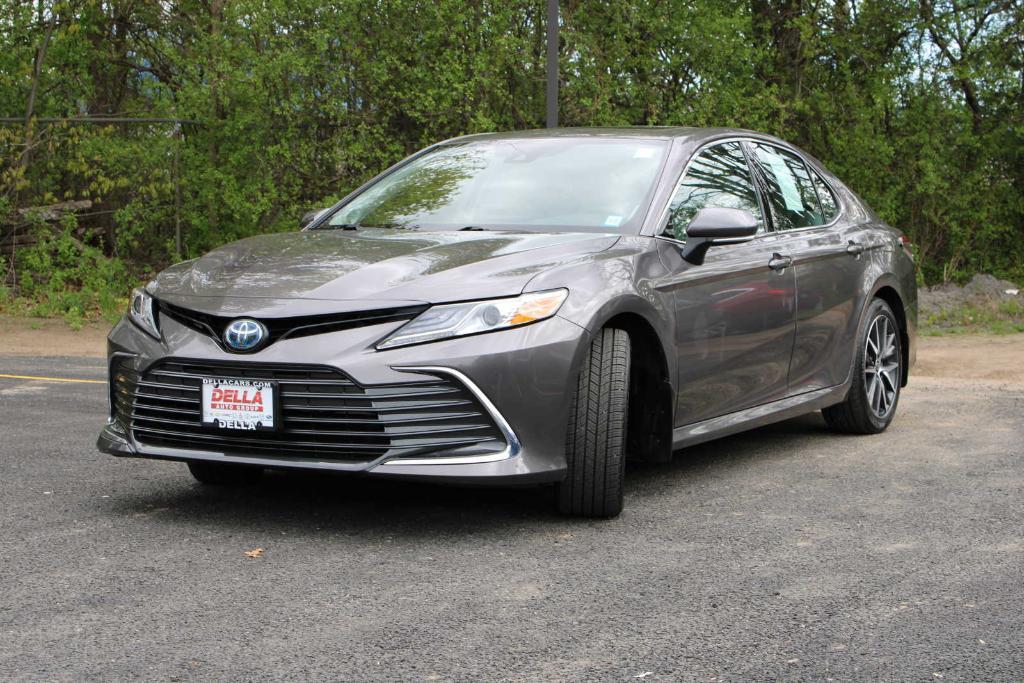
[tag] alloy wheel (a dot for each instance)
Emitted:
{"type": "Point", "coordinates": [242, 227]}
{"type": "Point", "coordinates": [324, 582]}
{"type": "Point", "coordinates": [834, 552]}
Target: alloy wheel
{"type": "Point", "coordinates": [881, 366]}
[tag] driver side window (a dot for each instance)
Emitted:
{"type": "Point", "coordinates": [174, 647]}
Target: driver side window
{"type": "Point", "coordinates": [717, 177]}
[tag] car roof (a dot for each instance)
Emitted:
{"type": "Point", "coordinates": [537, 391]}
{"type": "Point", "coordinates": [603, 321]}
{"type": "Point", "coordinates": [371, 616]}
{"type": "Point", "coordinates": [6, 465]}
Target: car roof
{"type": "Point", "coordinates": [646, 132]}
{"type": "Point", "coordinates": [691, 136]}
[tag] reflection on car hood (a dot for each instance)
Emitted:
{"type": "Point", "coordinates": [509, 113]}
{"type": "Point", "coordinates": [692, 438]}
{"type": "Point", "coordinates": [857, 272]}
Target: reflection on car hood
{"type": "Point", "coordinates": [373, 265]}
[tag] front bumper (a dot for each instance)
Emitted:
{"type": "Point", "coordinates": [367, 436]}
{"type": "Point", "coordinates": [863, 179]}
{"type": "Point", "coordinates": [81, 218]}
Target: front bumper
{"type": "Point", "coordinates": [523, 377]}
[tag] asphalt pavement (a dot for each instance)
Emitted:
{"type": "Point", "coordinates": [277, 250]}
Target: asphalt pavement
{"type": "Point", "coordinates": [786, 553]}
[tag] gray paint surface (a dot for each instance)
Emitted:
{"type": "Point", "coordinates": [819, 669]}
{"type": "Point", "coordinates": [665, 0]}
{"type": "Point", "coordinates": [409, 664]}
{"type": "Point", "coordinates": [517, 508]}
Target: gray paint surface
{"type": "Point", "coordinates": [743, 344]}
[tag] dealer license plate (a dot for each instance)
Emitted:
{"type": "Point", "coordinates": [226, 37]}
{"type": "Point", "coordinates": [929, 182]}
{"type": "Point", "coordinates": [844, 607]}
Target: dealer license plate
{"type": "Point", "coordinates": [242, 404]}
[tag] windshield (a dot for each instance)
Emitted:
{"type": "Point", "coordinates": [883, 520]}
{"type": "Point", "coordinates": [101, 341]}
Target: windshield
{"type": "Point", "coordinates": [558, 184]}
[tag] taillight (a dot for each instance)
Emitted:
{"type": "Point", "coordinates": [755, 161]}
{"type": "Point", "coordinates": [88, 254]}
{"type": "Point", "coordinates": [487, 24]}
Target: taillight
{"type": "Point", "coordinates": [907, 245]}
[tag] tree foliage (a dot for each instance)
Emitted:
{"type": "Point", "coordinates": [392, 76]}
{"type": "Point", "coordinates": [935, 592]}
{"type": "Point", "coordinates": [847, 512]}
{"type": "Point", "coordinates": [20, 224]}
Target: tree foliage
{"type": "Point", "coordinates": [288, 104]}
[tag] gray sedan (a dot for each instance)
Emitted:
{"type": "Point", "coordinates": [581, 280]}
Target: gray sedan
{"type": "Point", "coordinates": [532, 307]}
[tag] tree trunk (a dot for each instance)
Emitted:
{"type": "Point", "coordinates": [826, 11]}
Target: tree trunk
{"type": "Point", "coordinates": [30, 107]}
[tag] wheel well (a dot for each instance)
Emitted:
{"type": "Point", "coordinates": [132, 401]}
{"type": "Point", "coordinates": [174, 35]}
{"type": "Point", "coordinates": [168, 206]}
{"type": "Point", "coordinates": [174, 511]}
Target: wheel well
{"type": "Point", "coordinates": [891, 297]}
{"type": "Point", "coordinates": [649, 430]}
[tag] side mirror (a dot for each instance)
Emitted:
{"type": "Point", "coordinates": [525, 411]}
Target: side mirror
{"type": "Point", "coordinates": [716, 225]}
{"type": "Point", "coordinates": [311, 216]}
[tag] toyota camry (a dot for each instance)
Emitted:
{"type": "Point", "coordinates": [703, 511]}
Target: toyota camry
{"type": "Point", "coordinates": [533, 307]}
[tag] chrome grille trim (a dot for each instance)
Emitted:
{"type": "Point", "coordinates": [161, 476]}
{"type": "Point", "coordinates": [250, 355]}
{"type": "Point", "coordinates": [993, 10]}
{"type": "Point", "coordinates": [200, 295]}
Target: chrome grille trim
{"type": "Point", "coordinates": [512, 444]}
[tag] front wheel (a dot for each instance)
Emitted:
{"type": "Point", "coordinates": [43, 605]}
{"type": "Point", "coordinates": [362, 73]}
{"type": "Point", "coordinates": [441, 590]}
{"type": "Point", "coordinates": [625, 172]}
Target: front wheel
{"type": "Point", "coordinates": [596, 438]}
{"type": "Point", "coordinates": [878, 370]}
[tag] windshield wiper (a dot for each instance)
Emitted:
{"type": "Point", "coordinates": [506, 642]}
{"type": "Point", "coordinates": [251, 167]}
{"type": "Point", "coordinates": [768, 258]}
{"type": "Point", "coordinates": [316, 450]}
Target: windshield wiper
{"type": "Point", "coordinates": [358, 226]}
{"type": "Point", "coordinates": [413, 226]}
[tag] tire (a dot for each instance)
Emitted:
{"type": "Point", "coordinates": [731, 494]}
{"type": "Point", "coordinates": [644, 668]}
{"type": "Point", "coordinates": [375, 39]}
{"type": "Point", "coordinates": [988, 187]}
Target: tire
{"type": "Point", "coordinates": [222, 474]}
{"type": "Point", "coordinates": [595, 447]}
{"type": "Point", "coordinates": [876, 376]}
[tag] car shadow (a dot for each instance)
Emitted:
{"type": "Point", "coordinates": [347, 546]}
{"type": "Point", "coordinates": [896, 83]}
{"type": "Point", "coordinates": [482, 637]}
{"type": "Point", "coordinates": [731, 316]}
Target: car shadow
{"type": "Point", "coordinates": [303, 502]}
{"type": "Point", "coordinates": [775, 441]}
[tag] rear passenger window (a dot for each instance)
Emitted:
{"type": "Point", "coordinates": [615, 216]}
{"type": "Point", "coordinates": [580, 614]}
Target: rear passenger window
{"type": "Point", "coordinates": [829, 205]}
{"type": "Point", "coordinates": [791, 194]}
{"type": "Point", "coordinates": [717, 177]}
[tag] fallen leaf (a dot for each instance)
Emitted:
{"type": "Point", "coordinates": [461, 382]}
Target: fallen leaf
{"type": "Point", "coordinates": [255, 552]}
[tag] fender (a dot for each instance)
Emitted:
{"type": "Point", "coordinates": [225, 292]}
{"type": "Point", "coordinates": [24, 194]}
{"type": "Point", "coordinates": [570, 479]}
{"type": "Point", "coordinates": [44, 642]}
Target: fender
{"type": "Point", "coordinates": [632, 303]}
{"type": "Point", "coordinates": [886, 279]}
{"type": "Point", "coordinates": [613, 282]}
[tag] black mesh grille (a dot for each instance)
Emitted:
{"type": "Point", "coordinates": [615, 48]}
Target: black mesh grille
{"type": "Point", "coordinates": [324, 413]}
{"type": "Point", "coordinates": [284, 328]}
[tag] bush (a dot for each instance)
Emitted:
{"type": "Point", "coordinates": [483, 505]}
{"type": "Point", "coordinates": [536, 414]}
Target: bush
{"type": "Point", "coordinates": [60, 276]}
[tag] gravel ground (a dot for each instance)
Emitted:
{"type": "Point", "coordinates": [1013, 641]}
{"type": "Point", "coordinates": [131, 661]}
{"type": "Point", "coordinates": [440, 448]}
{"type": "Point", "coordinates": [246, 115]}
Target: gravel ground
{"type": "Point", "coordinates": [786, 553]}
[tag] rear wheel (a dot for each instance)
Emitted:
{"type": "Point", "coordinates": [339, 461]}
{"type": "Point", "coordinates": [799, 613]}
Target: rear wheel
{"type": "Point", "coordinates": [224, 474]}
{"type": "Point", "coordinates": [878, 370]}
{"type": "Point", "coordinates": [596, 437]}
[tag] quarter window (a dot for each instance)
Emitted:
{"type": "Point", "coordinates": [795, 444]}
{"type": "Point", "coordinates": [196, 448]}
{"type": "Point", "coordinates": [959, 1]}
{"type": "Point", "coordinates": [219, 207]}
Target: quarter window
{"type": "Point", "coordinates": [790, 190]}
{"type": "Point", "coordinates": [717, 177]}
{"type": "Point", "coordinates": [829, 205]}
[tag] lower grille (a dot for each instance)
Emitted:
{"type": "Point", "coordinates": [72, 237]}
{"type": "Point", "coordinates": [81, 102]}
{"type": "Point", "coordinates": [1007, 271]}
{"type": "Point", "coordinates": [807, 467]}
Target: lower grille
{"type": "Point", "coordinates": [324, 413]}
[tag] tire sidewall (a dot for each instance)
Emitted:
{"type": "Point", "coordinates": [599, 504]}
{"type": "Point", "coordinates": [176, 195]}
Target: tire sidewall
{"type": "Point", "coordinates": [593, 486]}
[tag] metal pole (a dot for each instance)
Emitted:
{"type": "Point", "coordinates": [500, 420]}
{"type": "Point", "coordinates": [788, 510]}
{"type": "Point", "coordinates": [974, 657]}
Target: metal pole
{"type": "Point", "coordinates": [552, 89]}
{"type": "Point", "coordinates": [177, 191]}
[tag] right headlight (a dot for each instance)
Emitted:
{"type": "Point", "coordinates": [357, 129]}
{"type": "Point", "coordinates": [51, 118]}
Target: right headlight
{"type": "Point", "coordinates": [140, 312]}
{"type": "Point", "coordinates": [473, 317]}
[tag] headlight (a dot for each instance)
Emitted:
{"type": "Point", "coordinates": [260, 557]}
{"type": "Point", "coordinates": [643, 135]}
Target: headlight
{"type": "Point", "coordinates": [458, 320]}
{"type": "Point", "coordinates": [140, 311]}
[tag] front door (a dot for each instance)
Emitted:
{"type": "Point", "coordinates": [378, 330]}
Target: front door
{"type": "Point", "coordinates": [735, 313]}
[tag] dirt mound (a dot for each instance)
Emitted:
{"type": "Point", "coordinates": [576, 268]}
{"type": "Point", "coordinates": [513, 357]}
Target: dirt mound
{"type": "Point", "coordinates": [982, 290]}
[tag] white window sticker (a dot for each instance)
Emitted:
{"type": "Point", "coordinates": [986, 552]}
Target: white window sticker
{"type": "Point", "coordinates": [613, 221]}
{"type": "Point", "coordinates": [784, 176]}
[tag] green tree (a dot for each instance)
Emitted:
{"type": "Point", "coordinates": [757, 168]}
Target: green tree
{"type": "Point", "coordinates": [287, 105]}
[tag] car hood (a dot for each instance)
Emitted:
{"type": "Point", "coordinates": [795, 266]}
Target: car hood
{"type": "Point", "coordinates": [289, 272]}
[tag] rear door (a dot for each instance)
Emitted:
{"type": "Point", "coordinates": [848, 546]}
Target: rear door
{"type": "Point", "coordinates": [827, 253]}
{"type": "Point", "coordinates": [735, 313]}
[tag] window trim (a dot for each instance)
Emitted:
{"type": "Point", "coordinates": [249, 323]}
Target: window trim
{"type": "Point", "coordinates": [812, 169]}
{"type": "Point", "coordinates": [661, 232]}
{"type": "Point", "coordinates": [831, 191]}
{"type": "Point", "coordinates": [657, 230]}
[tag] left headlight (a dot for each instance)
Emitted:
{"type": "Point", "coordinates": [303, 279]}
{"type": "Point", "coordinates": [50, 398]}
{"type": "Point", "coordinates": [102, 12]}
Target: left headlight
{"type": "Point", "coordinates": [140, 311]}
{"type": "Point", "coordinates": [473, 317]}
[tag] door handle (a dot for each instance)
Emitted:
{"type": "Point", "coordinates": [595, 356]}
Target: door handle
{"type": "Point", "coordinates": [854, 249]}
{"type": "Point", "coordinates": [780, 262]}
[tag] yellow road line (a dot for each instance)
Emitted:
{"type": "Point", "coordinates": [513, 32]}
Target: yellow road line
{"type": "Point", "coordinates": [54, 379]}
